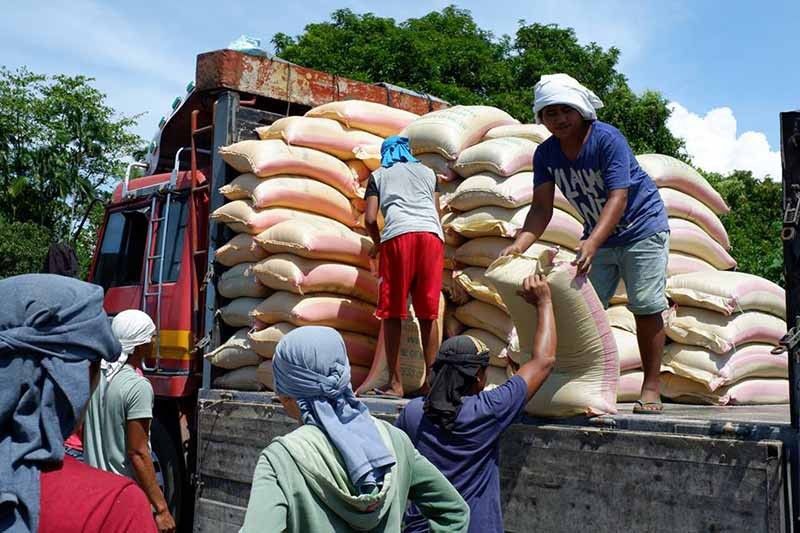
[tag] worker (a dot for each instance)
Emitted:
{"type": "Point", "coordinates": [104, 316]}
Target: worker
{"type": "Point", "coordinates": [53, 335]}
{"type": "Point", "coordinates": [117, 428]}
{"type": "Point", "coordinates": [342, 470]}
{"type": "Point", "coordinates": [411, 248]}
{"type": "Point", "coordinates": [458, 425]}
{"type": "Point", "coordinates": [626, 231]}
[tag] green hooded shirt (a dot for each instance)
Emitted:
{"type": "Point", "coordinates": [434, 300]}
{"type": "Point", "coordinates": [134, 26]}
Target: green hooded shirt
{"type": "Point", "coordinates": [300, 485]}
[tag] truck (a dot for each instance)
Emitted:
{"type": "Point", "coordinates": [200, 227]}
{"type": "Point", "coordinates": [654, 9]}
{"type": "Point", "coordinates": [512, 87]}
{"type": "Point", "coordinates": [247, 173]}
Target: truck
{"type": "Point", "coordinates": [695, 468]}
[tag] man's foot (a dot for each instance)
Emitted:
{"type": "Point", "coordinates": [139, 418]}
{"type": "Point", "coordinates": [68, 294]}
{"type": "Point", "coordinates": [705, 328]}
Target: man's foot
{"type": "Point", "coordinates": [382, 392]}
{"type": "Point", "coordinates": [642, 407]}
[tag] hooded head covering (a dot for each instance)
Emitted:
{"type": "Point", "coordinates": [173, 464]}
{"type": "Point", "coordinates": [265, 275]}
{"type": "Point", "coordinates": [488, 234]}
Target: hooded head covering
{"type": "Point", "coordinates": [563, 89]}
{"type": "Point", "coordinates": [61, 260]}
{"type": "Point", "coordinates": [454, 373]}
{"type": "Point", "coordinates": [51, 328]}
{"type": "Point", "coordinates": [132, 328]}
{"type": "Point", "coordinates": [310, 365]}
{"type": "Point", "coordinates": [395, 149]}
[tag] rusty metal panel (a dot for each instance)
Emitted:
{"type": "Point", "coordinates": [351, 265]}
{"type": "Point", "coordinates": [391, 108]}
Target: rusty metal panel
{"type": "Point", "coordinates": [273, 78]}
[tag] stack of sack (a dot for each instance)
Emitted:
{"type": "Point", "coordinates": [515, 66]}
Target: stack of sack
{"type": "Point", "coordinates": [724, 327]}
{"type": "Point", "coordinates": [300, 255]}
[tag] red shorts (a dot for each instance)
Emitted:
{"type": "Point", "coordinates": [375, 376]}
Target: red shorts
{"type": "Point", "coordinates": [411, 264]}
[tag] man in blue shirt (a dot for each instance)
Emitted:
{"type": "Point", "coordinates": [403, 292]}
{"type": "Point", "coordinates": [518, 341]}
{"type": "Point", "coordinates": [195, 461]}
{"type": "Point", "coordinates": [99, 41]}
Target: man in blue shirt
{"type": "Point", "coordinates": [626, 231]}
{"type": "Point", "coordinates": [457, 427]}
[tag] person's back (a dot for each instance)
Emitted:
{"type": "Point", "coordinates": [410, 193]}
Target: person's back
{"type": "Point", "coordinates": [128, 396]}
{"type": "Point", "coordinates": [78, 498]}
{"type": "Point", "coordinates": [467, 455]}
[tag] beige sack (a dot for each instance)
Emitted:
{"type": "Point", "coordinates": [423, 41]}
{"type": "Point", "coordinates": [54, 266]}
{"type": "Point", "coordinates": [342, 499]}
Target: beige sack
{"type": "Point", "coordinates": [537, 133]}
{"type": "Point", "coordinates": [237, 313]}
{"type": "Point", "coordinates": [378, 119]}
{"type": "Point", "coordinates": [265, 375]}
{"type": "Point", "coordinates": [727, 292]}
{"type": "Point", "coordinates": [452, 289]}
{"type": "Point", "coordinates": [504, 157]}
{"type": "Point", "coordinates": [745, 392]}
{"type": "Point", "coordinates": [451, 237]}
{"type": "Point", "coordinates": [628, 349]}
{"type": "Point", "coordinates": [689, 238]}
{"type": "Point", "coordinates": [452, 326]}
{"type": "Point", "coordinates": [317, 240]}
{"type": "Point", "coordinates": [684, 264]}
{"type": "Point", "coordinates": [714, 371]}
{"type": "Point", "coordinates": [439, 165]}
{"type": "Point", "coordinates": [236, 352]}
{"type": "Point", "coordinates": [482, 252]}
{"type": "Point", "coordinates": [264, 341]}
{"type": "Point", "coordinates": [286, 272]}
{"type": "Point", "coordinates": [620, 296]}
{"type": "Point", "coordinates": [477, 314]}
{"type": "Point", "coordinates": [322, 309]}
{"type": "Point", "coordinates": [241, 217]}
{"type": "Point", "coordinates": [630, 386]}
{"type": "Point", "coordinates": [669, 172]}
{"type": "Point", "coordinates": [241, 248]}
{"type": "Point", "coordinates": [240, 280]}
{"type": "Point", "coordinates": [719, 333]}
{"type": "Point", "coordinates": [474, 281]}
{"type": "Point", "coordinates": [449, 131]}
{"type": "Point", "coordinates": [243, 379]}
{"type": "Point", "coordinates": [620, 317]}
{"type": "Point", "coordinates": [584, 379]}
{"type": "Point", "coordinates": [495, 376]}
{"type": "Point", "coordinates": [450, 257]}
{"type": "Point", "coordinates": [498, 350]}
{"type": "Point", "coordinates": [270, 158]}
{"type": "Point", "coordinates": [294, 192]}
{"type": "Point", "coordinates": [681, 205]}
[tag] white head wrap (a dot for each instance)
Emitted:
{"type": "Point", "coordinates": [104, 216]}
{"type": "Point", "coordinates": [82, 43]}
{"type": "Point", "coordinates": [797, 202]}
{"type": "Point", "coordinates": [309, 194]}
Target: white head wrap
{"type": "Point", "coordinates": [564, 89]}
{"type": "Point", "coordinates": [132, 328]}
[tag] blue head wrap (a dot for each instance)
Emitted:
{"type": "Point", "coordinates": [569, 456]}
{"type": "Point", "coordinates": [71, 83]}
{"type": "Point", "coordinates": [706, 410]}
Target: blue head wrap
{"type": "Point", "coordinates": [395, 149]}
{"type": "Point", "coordinates": [310, 365]}
{"type": "Point", "coordinates": [51, 328]}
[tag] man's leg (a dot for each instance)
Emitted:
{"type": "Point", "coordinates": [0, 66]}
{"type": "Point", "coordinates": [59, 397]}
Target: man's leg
{"type": "Point", "coordinates": [426, 293]}
{"type": "Point", "coordinates": [650, 334]}
{"type": "Point", "coordinates": [392, 329]}
{"type": "Point", "coordinates": [430, 346]}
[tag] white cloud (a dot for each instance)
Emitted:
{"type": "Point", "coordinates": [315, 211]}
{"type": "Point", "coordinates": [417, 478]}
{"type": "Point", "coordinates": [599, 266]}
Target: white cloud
{"type": "Point", "coordinates": [713, 144]}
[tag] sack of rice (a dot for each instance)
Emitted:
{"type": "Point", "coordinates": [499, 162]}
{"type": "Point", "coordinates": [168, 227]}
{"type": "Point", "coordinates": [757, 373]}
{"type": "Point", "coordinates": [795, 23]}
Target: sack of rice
{"type": "Point", "coordinates": [473, 280]}
{"type": "Point", "coordinates": [720, 333]}
{"type": "Point", "coordinates": [482, 252]}
{"type": "Point", "coordinates": [264, 340]}
{"type": "Point", "coordinates": [746, 392]}
{"type": "Point", "coordinates": [317, 240]}
{"type": "Point", "coordinates": [492, 221]}
{"type": "Point", "coordinates": [449, 131]}
{"type": "Point", "coordinates": [681, 205]}
{"type": "Point", "coordinates": [689, 238]}
{"type": "Point", "coordinates": [439, 165]}
{"type": "Point", "coordinates": [628, 349]}
{"type": "Point", "coordinates": [322, 309]}
{"type": "Point", "coordinates": [240, 280]}
{"type": "Point", "coordinates": [684, 264]}
{"type": "Point", "coordinates": [495, 376]}
{"type": "Point", "coordinates": [584, 379]}
{"type": "Point", "coordinates": [374, 118]}
{"type": "Point", "coordinates": [241, 217]}
{"type": "Point", "coordinates": [236, 352]}
{"type": "Point", "coordinates": [669, 172]}
{"type": "Point", "coordinates": [715, 371]}
{"type": "Point", "coordinates": [537, 133]}
{"type": "Point", "coordinates": [293, 192]}
{"type": "Point", "coordinates": [477, 314]}
{"type": "Point", "coordinates": [498, 350]}
{"type": "Point", "coordinates": [242, 248]}
{"type": "Point", "coordinates": [630, 386]}
{"type": "Point", "coordinates": [450, 257]}
{"type": "Point", "coordinates": [322, 134]}
{"type": "Point", "coordinates": [270, 158]}
{"type": "Point", "coordinates": [452, 289]}
{"type": "Point", "coordinates": [503, 157]}
{"type": "Point", "coordinates": [286, 272]}
{"type": "Point", "coordinates": [237, 313]}
{"type": "Point", "coordinates": [452, 326]}
{"type": "Point", "coordinates": [727, 292]}
{"type": "Point", "coordinates": [243, 379]}
{"type": "Point", "coordinates": [621, 318]}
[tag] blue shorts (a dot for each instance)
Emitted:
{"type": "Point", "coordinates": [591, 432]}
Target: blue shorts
{"type": "Point", "coordinates": [642, 265]}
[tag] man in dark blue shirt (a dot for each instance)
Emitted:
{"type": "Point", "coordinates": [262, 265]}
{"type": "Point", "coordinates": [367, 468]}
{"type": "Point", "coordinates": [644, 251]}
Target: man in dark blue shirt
{"type": "Point", "coordinates": [457, 427]}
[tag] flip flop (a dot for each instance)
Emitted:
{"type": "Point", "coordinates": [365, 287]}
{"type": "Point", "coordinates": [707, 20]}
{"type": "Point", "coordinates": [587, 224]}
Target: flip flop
{"type": "Point", "coordinates": [378, 393]}
{"type": "Point", "coordinates": [648, 408]}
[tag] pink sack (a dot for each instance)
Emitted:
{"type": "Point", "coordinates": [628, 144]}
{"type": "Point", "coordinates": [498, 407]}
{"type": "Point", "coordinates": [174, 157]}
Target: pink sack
{"type": "Point", "coordinates": [689, 238]}
{"type": "Point", "coordinates": [669, 172]}
{"type": "Point", "coordinates": [681, 205]}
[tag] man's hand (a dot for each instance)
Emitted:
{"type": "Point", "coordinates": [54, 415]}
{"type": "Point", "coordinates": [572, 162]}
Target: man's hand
{"type": "Point", "coordinates": [586, 252]}
{"type": "Point", "coordinates": [374, 251]}
{"type": "Point", "coordinates": [165, 522]}
{"type": "Point", "coordinates": [511, 250]}
{"type": "Point", "coordinates": [535, 290]}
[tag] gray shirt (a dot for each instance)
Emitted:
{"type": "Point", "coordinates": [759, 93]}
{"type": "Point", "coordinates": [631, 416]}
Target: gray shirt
{"type": "Point", "coordinates": [406, 195]}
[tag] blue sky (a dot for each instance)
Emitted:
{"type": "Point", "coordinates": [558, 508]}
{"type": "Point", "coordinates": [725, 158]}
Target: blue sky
{"type": "Point", "coordinates": [729, 66]}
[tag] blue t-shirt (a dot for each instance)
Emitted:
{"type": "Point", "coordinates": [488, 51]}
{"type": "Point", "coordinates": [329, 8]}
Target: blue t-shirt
{"type": "Point", "coordinates": [604, 163]}
{"type": "Point", "coordinates": [467, 456]}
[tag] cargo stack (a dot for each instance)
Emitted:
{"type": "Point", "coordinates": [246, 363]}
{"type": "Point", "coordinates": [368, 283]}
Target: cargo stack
{"type": "Point", "coordinates": [301, 252]}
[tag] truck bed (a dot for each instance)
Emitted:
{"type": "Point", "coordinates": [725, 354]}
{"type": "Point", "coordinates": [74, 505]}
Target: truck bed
{"type": "Point", "coordinates": [695, 468]}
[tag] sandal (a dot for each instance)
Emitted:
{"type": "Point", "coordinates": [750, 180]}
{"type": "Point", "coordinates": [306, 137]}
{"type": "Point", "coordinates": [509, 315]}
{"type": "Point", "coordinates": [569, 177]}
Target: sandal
{"type": "Point", "coordinates": [648, 408]}
{"type": "Point", "coordinates": [381, 394]}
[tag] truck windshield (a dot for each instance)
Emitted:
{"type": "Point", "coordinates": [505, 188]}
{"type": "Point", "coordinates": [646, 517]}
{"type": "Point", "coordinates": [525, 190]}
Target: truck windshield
{"type": "Point", "coordinates": [122, 251]}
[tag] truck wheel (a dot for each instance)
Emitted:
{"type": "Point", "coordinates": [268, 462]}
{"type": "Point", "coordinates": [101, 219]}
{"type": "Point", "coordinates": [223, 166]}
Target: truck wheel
{"type": "Point", "coordinates": [168, 466]}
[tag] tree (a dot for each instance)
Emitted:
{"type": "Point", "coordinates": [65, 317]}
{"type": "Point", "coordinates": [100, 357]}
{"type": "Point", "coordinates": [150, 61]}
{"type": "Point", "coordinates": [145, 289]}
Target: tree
{"type": "Point", "coordinates": [60, 146]}
{"type": "Point", "coordinates": [446, 54]}
{"type": "Point", "coordinates": [754, 223]}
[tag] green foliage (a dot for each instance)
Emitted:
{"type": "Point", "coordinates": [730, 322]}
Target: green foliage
{"type": "Point", "coordinates": [754, 223]}
{"type": "Point", "coordinates": [23, 246]}
{"type": "Point", "coordinates": [60, 146]}
{"type": "Point", "coordinates": [446, 54]}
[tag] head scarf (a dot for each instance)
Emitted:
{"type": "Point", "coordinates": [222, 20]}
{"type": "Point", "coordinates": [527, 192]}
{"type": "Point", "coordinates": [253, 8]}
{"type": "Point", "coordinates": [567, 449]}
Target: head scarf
{"type": "Point", "coordinates": [395, 149]}
{"type": "Point", "coordinates": [51, 328]}
{"type": "Point", "coordinates": [310, 365]}
{"type": "Point", "coordinates": [132, 328]}
{"type": "Point", "coordinates": [61, 259]}
{"type": "Point", "coordinates": [556, 89]}
{"type": "Point", "coordinates": [455, 370]}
